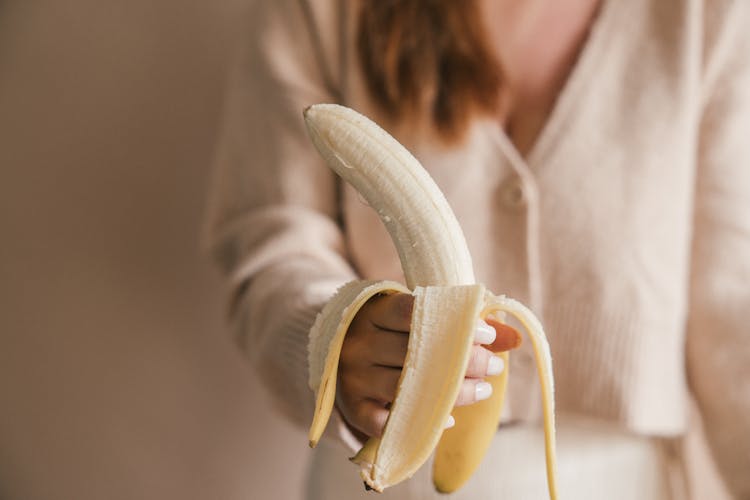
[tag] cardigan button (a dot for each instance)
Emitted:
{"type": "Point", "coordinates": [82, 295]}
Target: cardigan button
{"type": "Point", "coordinates": [513, 194]}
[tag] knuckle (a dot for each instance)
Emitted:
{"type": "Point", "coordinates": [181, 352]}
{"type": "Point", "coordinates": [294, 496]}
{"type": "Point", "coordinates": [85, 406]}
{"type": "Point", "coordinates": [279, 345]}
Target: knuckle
{"type": "Point", "coordinates": [360, 417]}
{"type": "Point", "coordinates": [361, 411]}
{"type": "Point", "coordinates": [358, 326]}
{"type": "Point", "coordinates": [358, 347]}
{"type": "Point", "coordinates": [349, 354]}
{"type": "Point", "coordinates": [381, 385]}
{"type": "Point", "coordinates": [377, 419]}
{"type": "Point", "coordinates": [402, 306]}
{"type": "Point", "coordinates": [390, 349]}
{"type": "Point", "coordinates": [369, 418]}
{"type": "Point", "coordinates": [346, 386]}
{"type": "Point", "coordinates": [353, 383]}
{"type": "Point", "coordinates": [391, 387]}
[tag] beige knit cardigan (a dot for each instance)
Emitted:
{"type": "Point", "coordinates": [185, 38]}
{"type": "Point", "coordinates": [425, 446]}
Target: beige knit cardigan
{"type": "Point", "coordinates": [626, 227]}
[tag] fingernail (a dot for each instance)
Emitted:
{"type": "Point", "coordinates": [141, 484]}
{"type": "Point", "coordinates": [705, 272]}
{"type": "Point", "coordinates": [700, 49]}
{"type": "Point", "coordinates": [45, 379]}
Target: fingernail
{"type": "Point", "coordinates": [495, 365]}
{"type": "Point", "coordinates": [450, 422]}
{"type": "Point", "coordinates": [483, 390]}
{"type": "Point", "coordinates": [484, 333]}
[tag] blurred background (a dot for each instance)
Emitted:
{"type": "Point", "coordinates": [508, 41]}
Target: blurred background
{"type": "Point", "coordinates": [117, 377]}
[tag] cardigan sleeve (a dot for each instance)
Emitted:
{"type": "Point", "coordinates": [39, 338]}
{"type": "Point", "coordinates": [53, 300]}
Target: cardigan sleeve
{"type": "Point", "coordinates": [718, 348]}
{"type": "Point", "coordinates": [272, 214]}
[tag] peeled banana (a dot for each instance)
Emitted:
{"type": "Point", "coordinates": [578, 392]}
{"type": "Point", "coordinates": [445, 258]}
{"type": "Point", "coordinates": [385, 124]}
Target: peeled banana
{"type": "Point", "coordinates": [447, 305]}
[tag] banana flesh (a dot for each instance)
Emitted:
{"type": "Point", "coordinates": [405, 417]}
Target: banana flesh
{"type": "Point", "coordinates": [448, 303]}
{"type": "Point", "coordinates": [411, 206]}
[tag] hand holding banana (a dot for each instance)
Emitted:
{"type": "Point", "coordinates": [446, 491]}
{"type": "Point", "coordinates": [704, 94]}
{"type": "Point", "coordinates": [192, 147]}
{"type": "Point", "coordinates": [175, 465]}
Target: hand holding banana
{"type": "Point", "coordinates": [373, 355]}
{"type": "Point", "coordinates": [447, 307]}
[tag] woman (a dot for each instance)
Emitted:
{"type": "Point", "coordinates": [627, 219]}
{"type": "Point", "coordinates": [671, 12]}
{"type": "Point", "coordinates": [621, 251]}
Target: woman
{"type": "Point", "coordinates": [595, 154]}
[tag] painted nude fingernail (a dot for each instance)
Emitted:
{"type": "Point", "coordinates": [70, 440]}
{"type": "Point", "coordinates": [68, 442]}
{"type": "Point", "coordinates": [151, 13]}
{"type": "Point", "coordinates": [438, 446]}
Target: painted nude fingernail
{"type": "Point", "coordinates": [450, 422]}
{"type": "Point", "coordinates": [484, 333]}
{"type": "Point", "coordinates": [495, 365]}
{"type": "Point", "coordinates": [483, 390]}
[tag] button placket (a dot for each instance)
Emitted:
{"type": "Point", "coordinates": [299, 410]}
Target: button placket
{"type": "Point", "coordinates": [517, 197]}
{"type": "Point", "coordinates": [513, 194]}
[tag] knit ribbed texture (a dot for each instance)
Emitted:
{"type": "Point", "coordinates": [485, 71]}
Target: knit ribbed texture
{"type": "Point", "coordinates": [629, 219]}
{"type": "Point", "coordinates": [604, 360]}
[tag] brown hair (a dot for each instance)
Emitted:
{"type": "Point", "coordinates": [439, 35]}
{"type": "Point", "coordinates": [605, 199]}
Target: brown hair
{"type": "Point", "coordinates": [428, 60]}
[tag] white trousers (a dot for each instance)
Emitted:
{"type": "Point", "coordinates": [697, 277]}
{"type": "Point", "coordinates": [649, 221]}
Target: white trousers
{"type": "Point", "coordinates": [595, 462]}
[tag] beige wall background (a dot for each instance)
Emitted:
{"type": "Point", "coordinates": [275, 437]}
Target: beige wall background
{"type": "Point", "coordinates": [117, 379]}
